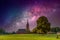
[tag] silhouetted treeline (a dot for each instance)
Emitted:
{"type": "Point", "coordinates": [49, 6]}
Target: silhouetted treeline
{"type": "Point", "coordinates": [55, 29]}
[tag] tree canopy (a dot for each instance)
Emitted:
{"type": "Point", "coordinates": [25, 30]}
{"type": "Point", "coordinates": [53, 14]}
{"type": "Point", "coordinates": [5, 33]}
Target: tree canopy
{"type": "Point", "coordinates": [43, 26]}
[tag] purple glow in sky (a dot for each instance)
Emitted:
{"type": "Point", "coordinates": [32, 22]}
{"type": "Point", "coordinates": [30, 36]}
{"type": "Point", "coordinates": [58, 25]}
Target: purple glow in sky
{"type": "Point", "coordinates": [32, 11]}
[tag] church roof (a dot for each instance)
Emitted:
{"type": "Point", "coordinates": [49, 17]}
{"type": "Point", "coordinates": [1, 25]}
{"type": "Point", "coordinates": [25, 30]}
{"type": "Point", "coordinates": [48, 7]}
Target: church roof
{"type": "Point", "coordinates": [21, 31]}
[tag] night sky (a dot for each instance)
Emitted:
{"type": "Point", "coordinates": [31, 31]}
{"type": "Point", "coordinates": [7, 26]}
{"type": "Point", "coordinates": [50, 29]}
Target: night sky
{"type": "Point", "coordinates": [14, 13]}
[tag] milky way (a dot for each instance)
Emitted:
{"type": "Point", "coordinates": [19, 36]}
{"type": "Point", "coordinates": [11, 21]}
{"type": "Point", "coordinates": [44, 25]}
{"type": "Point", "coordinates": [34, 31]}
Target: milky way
{"type": "Point", "coordinates": [31, 11]}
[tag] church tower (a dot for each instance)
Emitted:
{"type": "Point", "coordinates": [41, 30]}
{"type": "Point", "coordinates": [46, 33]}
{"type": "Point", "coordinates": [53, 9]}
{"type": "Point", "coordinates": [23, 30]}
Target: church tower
{"type": "Point", "coordinates": [27, 27]}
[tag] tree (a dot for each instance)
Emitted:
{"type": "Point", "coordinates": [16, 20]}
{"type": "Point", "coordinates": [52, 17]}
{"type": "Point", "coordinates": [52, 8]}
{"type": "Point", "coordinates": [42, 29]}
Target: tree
{"type": "Point", "coordinates": [2, 31]}
{"type": "Point", "coordinates": [55, 29]}
{"type": "Point", "coordinates": [43, 26]}
{"type": "Point", "coordinates": [13, 33]}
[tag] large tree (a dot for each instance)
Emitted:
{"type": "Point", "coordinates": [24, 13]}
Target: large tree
{"type": "Point", "coordinates": [43, 26]}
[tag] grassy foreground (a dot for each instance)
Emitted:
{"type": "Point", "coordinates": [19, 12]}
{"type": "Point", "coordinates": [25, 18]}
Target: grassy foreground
{"type": "Point", "coordinates": [29, 37]}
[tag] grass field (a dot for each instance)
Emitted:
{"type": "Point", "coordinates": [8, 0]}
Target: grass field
{"type": "Point", "coordinates": [29, 37]}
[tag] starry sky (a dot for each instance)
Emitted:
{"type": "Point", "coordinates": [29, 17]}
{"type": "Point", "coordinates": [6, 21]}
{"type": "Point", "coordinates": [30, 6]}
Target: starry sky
{"type": "Point", "coordinates": [15, 13]}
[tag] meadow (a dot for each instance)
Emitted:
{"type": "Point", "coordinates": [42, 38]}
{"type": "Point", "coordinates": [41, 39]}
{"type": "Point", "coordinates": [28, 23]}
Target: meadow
{"type": "Point", "coordinates": [29, 37]}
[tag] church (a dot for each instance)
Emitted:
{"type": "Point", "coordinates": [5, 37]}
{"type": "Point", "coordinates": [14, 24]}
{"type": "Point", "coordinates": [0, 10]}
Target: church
{"type": "Point", "coordinates": [24, 31]}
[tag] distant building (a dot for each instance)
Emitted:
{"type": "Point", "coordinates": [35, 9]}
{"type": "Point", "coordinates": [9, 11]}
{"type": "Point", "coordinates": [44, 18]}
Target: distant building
{"type": "Point", "coordinates": [23, 31]}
